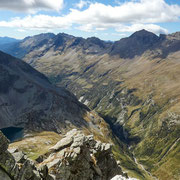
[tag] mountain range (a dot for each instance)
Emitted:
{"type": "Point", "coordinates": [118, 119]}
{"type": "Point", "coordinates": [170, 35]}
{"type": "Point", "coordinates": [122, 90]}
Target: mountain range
{"type": "Point", "coordinates": [133, 84]}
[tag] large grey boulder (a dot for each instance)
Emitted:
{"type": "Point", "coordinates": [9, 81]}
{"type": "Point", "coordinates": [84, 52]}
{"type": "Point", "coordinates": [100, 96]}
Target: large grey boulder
{"type": "Point", "coordinates": [65, 142]}
{"type": "Point", "coordinates": [19, 157]}
{"type": "Point", "coordinates": [80, 157]}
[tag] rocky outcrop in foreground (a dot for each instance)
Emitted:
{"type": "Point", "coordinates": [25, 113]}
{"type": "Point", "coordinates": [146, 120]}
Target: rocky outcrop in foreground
{"type": "Point", "coordinates": [18, 167]}
{"type": "Point", "coordinates": [74, 157]}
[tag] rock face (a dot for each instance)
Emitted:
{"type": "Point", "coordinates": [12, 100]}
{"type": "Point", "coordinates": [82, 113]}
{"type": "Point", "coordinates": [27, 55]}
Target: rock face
{"type": "Point", "coordinates": [82, 158]}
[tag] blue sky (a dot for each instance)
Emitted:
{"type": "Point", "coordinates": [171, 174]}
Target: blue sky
{"type": "Point", "coordinates": [106, 19]}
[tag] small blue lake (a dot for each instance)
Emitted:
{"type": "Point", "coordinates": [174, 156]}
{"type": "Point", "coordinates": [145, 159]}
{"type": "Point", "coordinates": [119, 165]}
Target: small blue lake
{"type": "Point", "coordinates": [13, 133]}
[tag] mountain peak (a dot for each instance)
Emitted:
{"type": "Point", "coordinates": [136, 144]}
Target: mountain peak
{"type": "Point", "coordinates": [134, 45]}
{"type": "Point", "coordinates": [143, 33]}
{"type": "Point", "coordinates": [65, 35]}
{"type": "Point", "coordinates": [175, 35]}
{"type": "Point", "coordinates": [40, 36]}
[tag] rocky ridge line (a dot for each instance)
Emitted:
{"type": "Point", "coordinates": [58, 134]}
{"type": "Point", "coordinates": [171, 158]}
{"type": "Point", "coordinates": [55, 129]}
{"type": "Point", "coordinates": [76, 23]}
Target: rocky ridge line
{"type": "Point", "coordinates": [75, 156]}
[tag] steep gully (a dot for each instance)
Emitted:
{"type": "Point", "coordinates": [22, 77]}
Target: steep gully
{"type": "Point", "coordinates": [142, 167]}
{"type": "Point", "coordinates": [122, 134]}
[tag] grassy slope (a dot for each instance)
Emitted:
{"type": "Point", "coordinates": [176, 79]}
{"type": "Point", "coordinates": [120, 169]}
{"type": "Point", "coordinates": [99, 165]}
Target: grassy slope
{"type": "Point", "coordinates": [37, 143]}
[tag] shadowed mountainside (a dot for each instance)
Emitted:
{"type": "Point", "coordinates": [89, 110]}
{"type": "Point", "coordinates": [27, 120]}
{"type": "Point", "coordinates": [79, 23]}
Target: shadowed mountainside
{"type": "Point", "coordinates": [26, 94]}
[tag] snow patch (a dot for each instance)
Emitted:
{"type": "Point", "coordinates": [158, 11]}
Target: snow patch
{"type": "Point", "coordinates": [119, 177]}
{"type": "Point", "coordinates": [81, 98]}
{"type": "Point", "coordinates": [86, 102]}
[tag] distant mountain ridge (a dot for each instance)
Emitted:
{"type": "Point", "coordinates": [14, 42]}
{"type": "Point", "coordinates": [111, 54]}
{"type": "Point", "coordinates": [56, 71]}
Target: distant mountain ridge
{"type": "Point", "coordinates": [22, 47]}
{"type": "Point", "coordinates": [127, 48]}
{"type": "Point", "coordinates": [6, 40]}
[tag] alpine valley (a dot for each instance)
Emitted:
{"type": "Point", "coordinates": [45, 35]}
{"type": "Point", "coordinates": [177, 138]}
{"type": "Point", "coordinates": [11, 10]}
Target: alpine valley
{"type": "Point", "coordinates": [92, 109]}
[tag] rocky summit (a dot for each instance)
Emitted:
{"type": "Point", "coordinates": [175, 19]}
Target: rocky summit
{"type": "Point", "coordinates": [76, 156]}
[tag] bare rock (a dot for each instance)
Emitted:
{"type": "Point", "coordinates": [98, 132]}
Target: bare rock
{"type": "Point", "coordinates": [76, 156]}
{"type": "Point", "coordinates": [63, 143]}
{"type": "Point", "coordinates": [16, 166]}
{"type": "Point", "coordinates": [3, 143]}
{"type": "Point", "coordinates": [80, 157]}
{"type": "Point", "coordinates": [19, 157]}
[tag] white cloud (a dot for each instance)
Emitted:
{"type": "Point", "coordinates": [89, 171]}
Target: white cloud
{"type": "Point", "coordinates": [31, 5]}
{"type": "Point", "coordinates": [38, 22]}
{"type": "Point", "coordinates": [142, 14]}
{"type": "Point", "coordinates": [119, 34]}
{"type": "Point", "coordinates": [21, 30]}
{"type": "Point", "coordinates": [136, 27]}
{"type": "Point", "coordinates": [81, 4]}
